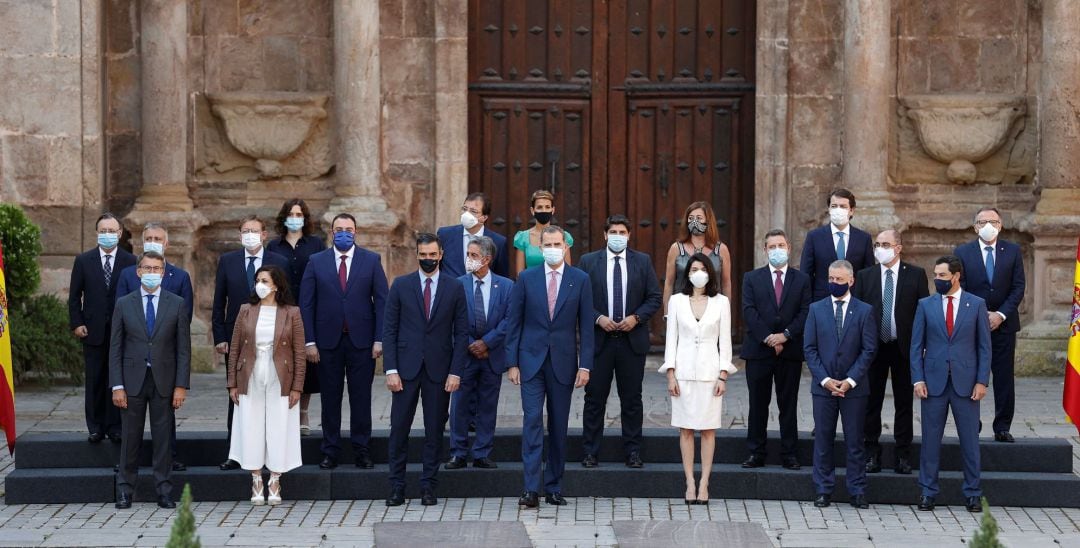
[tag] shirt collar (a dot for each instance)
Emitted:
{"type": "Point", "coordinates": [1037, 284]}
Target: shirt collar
{"type": "Point", "coordinates": [846, 230]}
{"type": "Point", "coordinates": [262, 251]}
{"type": "Point", "coordinates": [957, 295]}
{"type": "Point", "coordinates": [548, 270]}
{"type": "Point", "coordinates": [144, 292]}
{"type": "Point", "coordinates": [434, 277]}
{"type": "Point", "coordinates": [611, 254]}
{"type": "Point", "coordinates": [845, 299]}
{"type": "Point", "coordinates": [103, 253]}
{"type": "Point", "coordinates": [486, 279]}
{"type": "Point", "coordinates": [895, 269]}
{"type": "Point", "coordinates": [466, 234]}
{"type": "Point", "coordinates": [338, 253]}
{"type": "Point", "coordinates": [782, 269]}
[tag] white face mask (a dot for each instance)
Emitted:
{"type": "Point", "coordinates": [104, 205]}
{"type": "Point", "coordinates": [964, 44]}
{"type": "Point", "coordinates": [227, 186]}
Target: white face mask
{"type": "Point", "coordinates": [884, 256]}
{"type": "Point", "coordinates": [839, 216]}
{"type": "Point", "coordinates": [262, 290]}
{"type": "Point", "coordinates": [468, 220]}
{"type": "Point", "coordinates": [988, 232]}
{"type": "Point", "coordinates": [250, 241]}
{"type": "Point", "coordinates": [553, 255]}
{"type": "Point", "coordinates": [699, 278]}
{"type": "Point", "coordinates": [472, 265]}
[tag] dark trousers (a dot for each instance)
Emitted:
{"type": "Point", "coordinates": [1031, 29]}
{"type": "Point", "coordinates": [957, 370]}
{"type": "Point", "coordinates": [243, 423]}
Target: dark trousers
{"type": "Point", "coordinates": [101, 415]}
{"type": "Point", "coordinates": [760, 378]}
{"type": "Point", "coordinates": [402, 410]}
{"type": "Point", "coordinates": [543, 389]}
{"type": "Point", "coordinates": [336, 365]}
{"type": "Point", "coordinates": [935, 410]}
{"type": "Point", "coordinates": [482, 386]}
{"type": "Point", "coordinates": [852, 413]}
{"type": "Point", "coordinates": [161, 428]}
{"type": "Point", "coordinates": [1002, 358]}
{"type": "Point", "coordinates": [616, 360]}
{"type": "Point", "coordinates": [889, 361]}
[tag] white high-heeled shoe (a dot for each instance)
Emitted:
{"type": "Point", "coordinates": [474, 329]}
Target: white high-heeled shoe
{"type": "Point", "coordinates": [257, 490]}
{"type": "Point", "coordinates": [274, 490]}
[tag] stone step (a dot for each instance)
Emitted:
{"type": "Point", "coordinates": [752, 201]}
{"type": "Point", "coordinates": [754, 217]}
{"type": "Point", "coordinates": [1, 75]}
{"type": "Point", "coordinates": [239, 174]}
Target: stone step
{"type": "Point", "coordinates": [663, 480]}
{"type": "Point", "coordinates": [661, 445]}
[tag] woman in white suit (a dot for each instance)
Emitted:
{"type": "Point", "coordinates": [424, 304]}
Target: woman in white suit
{"type": "Point", "coordinates": [697, 361]}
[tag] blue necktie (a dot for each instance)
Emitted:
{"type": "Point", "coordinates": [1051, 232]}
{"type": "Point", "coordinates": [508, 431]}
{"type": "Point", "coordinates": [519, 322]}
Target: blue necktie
{"type": "Point", "coordinates": [839, 319]}
{"type": "Point", "coordinates": [841, 249]}
{"type": "Point", "coordinates": [251, 273]}
{"type": "Point", "coordinates": [989, 264]}
{"type": "Point", "coordinates": [887, 308]}
{"type": "Point", "coordinates": [479, 317]}
{"type": "Point", "coordinates": [616, 292]}
{"type": "Point", "coordinates": [150, 316]}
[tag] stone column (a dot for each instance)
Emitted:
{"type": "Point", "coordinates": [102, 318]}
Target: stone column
{"type": "Point", "coordinates": [868, 84]}
{"type": "Point", "coordinates": [357, 116]}
{"type": "Point", "coordinates": [771, 150]}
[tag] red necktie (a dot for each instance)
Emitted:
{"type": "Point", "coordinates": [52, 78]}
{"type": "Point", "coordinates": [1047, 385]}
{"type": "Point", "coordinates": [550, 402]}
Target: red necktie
{"type": "Point", "coordinates": [948, 317]}
{"type": "Point", "coordinates": [427, 299]}
{"type": "Point", "coordinates": [342, 272]}
{"type": "Point", "coordinates": [778, 287]}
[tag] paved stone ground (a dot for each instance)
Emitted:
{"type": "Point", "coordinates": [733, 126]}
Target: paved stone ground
{"type": "Point", "coordinates": [586, 521]}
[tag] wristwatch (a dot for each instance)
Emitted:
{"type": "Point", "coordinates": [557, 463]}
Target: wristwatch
{"type": "Point", "coordinates": [787, 334]}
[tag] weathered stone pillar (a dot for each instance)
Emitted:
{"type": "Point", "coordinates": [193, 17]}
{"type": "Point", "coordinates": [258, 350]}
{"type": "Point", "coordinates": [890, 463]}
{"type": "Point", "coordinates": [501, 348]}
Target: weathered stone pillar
{"type": "Point", "coordinates": [357, 116]}
{"type": "Point", "coordinates": [772, 182]}
{"type": "Point", "coordinates": [868, 84]}
{"type": "Point", "coordinates": [1041, 344]}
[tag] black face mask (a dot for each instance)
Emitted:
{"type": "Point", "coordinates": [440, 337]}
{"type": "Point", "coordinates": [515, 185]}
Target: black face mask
{"type": "Point", "coordinates": [542, 217]}
{"type": "Point", "coordinates": [429, 265]}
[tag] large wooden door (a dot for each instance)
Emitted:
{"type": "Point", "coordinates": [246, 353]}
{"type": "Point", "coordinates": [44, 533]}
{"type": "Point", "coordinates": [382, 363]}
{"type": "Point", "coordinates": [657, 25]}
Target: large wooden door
{"type": "Point", "coordinates": [633, 106]}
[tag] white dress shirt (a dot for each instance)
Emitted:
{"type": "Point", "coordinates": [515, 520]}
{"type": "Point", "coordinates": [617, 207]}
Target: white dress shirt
{"type": "Point", "coordinates": [993, 251]}
{"type": "Point", "coordinates": [434, 276]}
{"type": "Point", "coordinates": [846, 299]}
{"type": "Point", "coordinates": [955, 304]}
{"type": "Point", "coordinates": [836, 239]}
{"type": "Point", "coordinates": [348, 261]}
{"type": "Point", "coordinates": [258, 257]}
{"type": "Point", "coordinates": [112, 261]}
{"type": "Point", "coordinates": [485, 289]}
{"type": "Point", "coordinates": [611, 281]}
{"type": "Point", "coordinates": [558, 278]}
{"type": "Point", "coordinates": [895, 281]}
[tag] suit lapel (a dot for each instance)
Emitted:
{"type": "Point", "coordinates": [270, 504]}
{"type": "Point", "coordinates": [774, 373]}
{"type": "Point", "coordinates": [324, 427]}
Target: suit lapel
{"type": "Point", "coordinates": [354, 269]}
{"type": "Point", "coordinates": [160, 308]}
{"type": "Point", "coordinates": [564, 288]}
{"type": "Point", "coordinates": [963, 313]}
{"type": "Point", "coordinates": [440, 286]}
{"type": "Point", "coordinates": [493, 293]}
{"type": "Point", "coordinates": [416, 288]}
{"type": "Point", "coordinates": [849, 316]}
{"type": "Point", "coordinates": [603, 281]}
{"type": "Point", "coordinates": [938, 316]}
{"type": "Point", "coordinates": [279, 323]}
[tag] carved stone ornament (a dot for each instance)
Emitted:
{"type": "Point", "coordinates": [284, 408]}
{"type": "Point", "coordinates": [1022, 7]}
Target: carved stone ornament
{"type": "Point", "coordinates": [963, 130]}
{"type": "Point", "coordinates": [273, 129]}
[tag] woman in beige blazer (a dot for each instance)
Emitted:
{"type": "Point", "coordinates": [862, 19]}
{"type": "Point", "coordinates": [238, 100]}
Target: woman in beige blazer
{"type": "Point", "coordinates": [697, 361]}
{"type": "Point", "coordinates": [265, 381]}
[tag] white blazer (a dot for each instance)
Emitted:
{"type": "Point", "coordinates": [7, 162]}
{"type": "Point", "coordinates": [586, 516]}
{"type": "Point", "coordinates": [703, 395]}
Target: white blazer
{"type": "Point", "coordinates": [698, 350]}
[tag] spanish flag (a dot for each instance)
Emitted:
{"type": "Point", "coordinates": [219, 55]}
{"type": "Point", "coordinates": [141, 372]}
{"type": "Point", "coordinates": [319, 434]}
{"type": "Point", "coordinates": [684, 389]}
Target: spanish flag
{"type": "Point", "coordinates": [1071, 397]}
{"type": "Point", "coordinates": [7, 380]}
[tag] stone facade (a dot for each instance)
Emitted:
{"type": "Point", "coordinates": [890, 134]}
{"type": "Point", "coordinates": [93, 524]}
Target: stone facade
{"type": "Point", "coordinates": [154, 109]}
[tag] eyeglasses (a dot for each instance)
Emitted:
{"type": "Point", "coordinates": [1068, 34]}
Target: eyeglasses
{"type": "Point", "coordinates": [108, 231]}
{"type": "Point", "coordinates": [982, 223]}
{"type": "Point", "coordinates": [476, 212]}
{"type": "Point", "coordinates": [153, 269]}
{"type": "Point", "coordinates": [883, 245]}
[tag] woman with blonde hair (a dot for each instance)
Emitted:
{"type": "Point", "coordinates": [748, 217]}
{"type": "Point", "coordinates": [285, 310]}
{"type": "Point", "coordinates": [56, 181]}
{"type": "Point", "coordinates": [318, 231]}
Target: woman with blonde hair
{"type": "Point", "coordinates": [701, 235]}
{"type": "Point", "coordinates": [527, 242]}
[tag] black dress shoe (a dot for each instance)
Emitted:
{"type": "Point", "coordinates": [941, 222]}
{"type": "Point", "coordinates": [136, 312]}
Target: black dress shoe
{"type": "Point", "coordinates": [902, 466]}
{"type": "Point", "coordinates": [484, 462]}
{"type": "Point", "coordinates": [555, 499]}
{"type": "Point", "coordinates": [455, 463]}
{"type": "Point", "coordinates": [328, 463]}
{"type": "Point", "coordinates": [178, 466]}
{"type": "Point", "coordinates": [229, 465]}
{"type": "Point", "coordinates": [823, 500]}
{"type": "Point", "coordinates": [363, 460]}
{"type": "Point", "coordinates": [427, 498]}
{"type": "Point", "coordinates": [973, 504]}
{"type": "Point", "coordinates": [754, 461]}
{"type": "Point", "coordinates": [95, 437]}
{"type": "Point", "coordinates": [590, 461]}
{"type": "Point", "coordinates": [791, 463]}
{"type": "Point", "coordinates": [163, 501]}
{"type": "Point", "coordinates": [873, 465]}
{"type": "Point", "coordinates": [926, 504]}
{"type": "Point", "coordinates": [1004, 437]}
{"type": "Point", "coordinates": [859, 501]}
{"type": "Point", "coordinates": [115, 438]}
{"type": "Point", "coordinates": [397, 497]}
{"type": "Point", "coordinates": [529, 499]}
{"type": "Point", "coordinates": [123, 501]}
{"type": "Point", "coordinates": [634, 460]}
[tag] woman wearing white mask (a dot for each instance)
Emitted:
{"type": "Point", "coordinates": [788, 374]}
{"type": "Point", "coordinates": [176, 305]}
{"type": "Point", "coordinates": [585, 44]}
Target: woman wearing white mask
{"type": "Point", "coordinates": [701, 234]}
{"type": "Point", "coordinates": [265, 381]}
{"type": "Point", "coordinates": [697, 362]}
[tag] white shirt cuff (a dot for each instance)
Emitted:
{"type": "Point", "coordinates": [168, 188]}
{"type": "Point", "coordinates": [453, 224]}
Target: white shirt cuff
{"type": "Point", "coordinates": [825, 381]}
{"type": "Point", "coordinates": [919, 382]}
{"type": "Point", "coordinates": [850, 381]}
{"type": "Point", "coordinates": [583, 369]}
{"type": "Point", "coordinates": [1003, 318]}
{"type": "Point", "coordinates": [458, 377]}
{"type": "Point", "coordinates": [118, 387]}
{"type": "Point", "coordinates": [391, 372]}
{"type": "Point", "coordinates": [309, 344]}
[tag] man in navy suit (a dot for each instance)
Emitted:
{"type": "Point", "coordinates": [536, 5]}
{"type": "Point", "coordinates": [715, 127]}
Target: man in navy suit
{"type": "Point", "coordinates": [775, 302]}
{"type": "Point", "coordinates": [836, 240]}
{"type": "Point", "coordinates": [425, 334]}
{"type": "Point", "coordinates": [487, 297]}
{"type": "Point", "coordinates": [950, 365]}
{"type": "Point", "coordinates": [454, 240]}
{"type": "Point", "coordinates": [625, 296]}
{"type": "Point", "coordinates": [839, 344]}
{"type": "Point", "coordinates": [994, 272]}
{"type": "Point", "coordinates": [550, 307]}
{"type": "Point", "coordinates": [233, 286]}
{"type": "Point", "coordinates": [91, 297]}
{"type": "Point", "coordinates": [342, 301]}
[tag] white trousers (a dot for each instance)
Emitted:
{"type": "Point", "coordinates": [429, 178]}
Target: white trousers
{"type": "Point", "coordinates": [265, 431]}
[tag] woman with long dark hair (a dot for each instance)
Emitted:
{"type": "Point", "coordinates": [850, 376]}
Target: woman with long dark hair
{"type": "Point", "coordinates": [701, 234]}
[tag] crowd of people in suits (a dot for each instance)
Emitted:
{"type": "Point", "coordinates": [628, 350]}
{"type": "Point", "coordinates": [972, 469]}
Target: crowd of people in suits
{"type": "Point", "coordinates": [294, 316]}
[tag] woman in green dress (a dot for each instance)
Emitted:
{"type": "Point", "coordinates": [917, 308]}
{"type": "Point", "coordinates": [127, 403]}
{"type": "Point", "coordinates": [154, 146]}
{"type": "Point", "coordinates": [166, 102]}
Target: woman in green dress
{"type": "Point", "coordinates": [527, 242]}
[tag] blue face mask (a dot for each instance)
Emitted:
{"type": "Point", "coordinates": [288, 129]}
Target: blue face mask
{"type": "Point", "coordinates": [151, 280]}
{"type": "Point", "coordinates": [617, 242]}
{"type": "Point", "coordinates": [108, 241]}
{"type": "Point", "coordinates": [294, 224]}
{"type": "Point", "coordinates": [838, 290]}
{"type": "Point", "coordinates": [778, 257]}
{"type": "Point", "coordinates": [153, 246]}
{"type": "Point", "coordinates": [343, 240]}
{"type": "Point", "coordinates": [942, 286]}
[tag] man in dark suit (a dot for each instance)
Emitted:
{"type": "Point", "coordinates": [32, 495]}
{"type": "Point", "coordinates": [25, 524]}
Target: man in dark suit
{"type": "Point", "coordinates": [342, 300]}
{"type": "Point", "coordinates": [149, 367]}
{"type": "Point", "coordinates": [91, 296]}
{"type": "Point", "coordinates": [833, 241]}
{"type": "Point", "coordinates": [487, 297]}
{"type": "Point", "coordinates": [994, 272]}
{"type": "Point", "coordinates": [775, 302]}
{"type": "Point", "coordinates": [893, 288]}
{"type": "Point", "coordinates": [625, 296]}
{"type": "Point", "coordinates": [233, 287]}
{"type": "Point", "coordinates": [839, 344]}
{"type": "Point", "coordinates": [454, 240]}
{"type": "Point", "coordinates": [425, 334]}
{"type": "Point", "coordinates": [550, 307]}
{"type": "Point", "coordinates": [950, 364]}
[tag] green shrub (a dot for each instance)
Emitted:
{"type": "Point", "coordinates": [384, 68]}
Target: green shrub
{"type": "Point", "coordinates": [986, 536]}
{"type": "Point", "coordinates": [22, 244]}
{"type": "Point", "coordinates": [183, 530]}
{"type": "Point", "coordinates": [42, 347]}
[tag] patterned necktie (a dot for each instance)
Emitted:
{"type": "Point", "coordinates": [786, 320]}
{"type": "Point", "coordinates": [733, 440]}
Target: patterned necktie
{"type": "Point", "coordinates": [949, 317]}
{"type": "Point", "coordinates": [887, 307]}
{"type": "Point", "coordinates": [778, 287]}
{"type": "Point", "coordinates": [108, 271]}
{"type": "Point", "coordinates": [427, 298]}
{"type": "Point", "coordinates": [342, 272]}
{"type": "Point", "coordinates": [841, 249]}
{"type": "Point", "coordinates": [617, 292]}
{"type": "Point", "coordinates": [839, 319]}
{"type": "Point", "coordinates": [479, 316]}
{"type": "Point", "coordinates": [150, 315]}
{"type": "Point", "coordinates": [989, 263]}
{"type": "Point", "coordinates": [251, 273]}
{"type": "Point", "coordinates": [552, 294]}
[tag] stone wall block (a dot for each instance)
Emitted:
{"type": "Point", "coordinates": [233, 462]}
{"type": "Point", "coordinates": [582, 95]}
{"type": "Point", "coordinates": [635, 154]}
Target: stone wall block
{"type": "Point", "coordinates": [234, 64]}
{"type": "Point", "coordinates": [26, 168]}
{"type": "Point", "coordinates": [927, 18]}
{"type": "Point", "coordinates": [451, 18]}
{"type": "Point", "coordinates": [814, 139]}
{"type": "Point", "coordinates": [40, 95]}
{"type": "Point", "coordinates": [280, 61]}
{"type": "Point", "coordinates": [124, 99]}
{"type": "Point", "coordinates": [990, 17]}
{"type": "Point", "coordinates": [274, 17]}
{"type": "Point", "coordinates": [451, 128]}
{"type": "Point", "coordinates": [408, 134]}
{"type": "Point", "coordinates": [391, 18]}
{"type": "Point", "coordinates": [408, 65]}
{"type": "Point", "coordinates": [121, 26]}
{"type": "Point", "coordinates": [816, 19]}
{"type": "Point", "coordinates": [809, 185]}
{"type": "Point", "coordinates": [316, 63]}
{"type": "Point", "coordinates": [452, 66]}
{"type": "Point", "coordinates": [196, 51]}
{"type": "Point", "coordinates": [953, 65]}
{"type": "Point", "coordinates": [816, 67]}
{"type": "Point", "coordinates": [68, 26]}
{"type": "Point", "coordinates": [27, 27]}
{"type": "Point", "coordinates": [65, 170]}
{"type": "Point", "coordinates": [419, 20]}
{"type": "Point", "coordinates": [220, 18]}
{"type": "Point", "coordinates": [1000, 65]}
{"type": "Point", "coordinates": [124, 175]}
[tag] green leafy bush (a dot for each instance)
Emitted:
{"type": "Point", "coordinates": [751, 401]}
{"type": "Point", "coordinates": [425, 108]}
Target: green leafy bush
{"type": "Point", "coordinates": [42, 347]}
{"type": "Point", "coordinates": [21, 239]}
{"type": "Point", "coordinates": [183, 530]}
{"type": "Point", "coordinates": [986, 536]}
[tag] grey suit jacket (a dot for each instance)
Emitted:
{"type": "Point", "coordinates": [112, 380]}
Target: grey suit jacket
{"type": "Point", "coordinates": [168, 349]}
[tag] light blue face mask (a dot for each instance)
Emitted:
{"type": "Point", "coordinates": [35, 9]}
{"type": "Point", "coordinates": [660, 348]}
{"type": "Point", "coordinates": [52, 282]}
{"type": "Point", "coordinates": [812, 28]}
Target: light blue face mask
{"type": "Point", "coordinates": [617, 242]}
{"type": "Point", "coordinates": [294, 224]}
{"type": "Point", "coordinates": [153, 246]}
{"type": "Point", "coordinates": [553, 255]}
{"type": "Point", "coordinates": [151, 280]}
{"type": "Point", "coordinates": [778, 257]}
{"type": "Point", "coordinates": [108, 240]}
